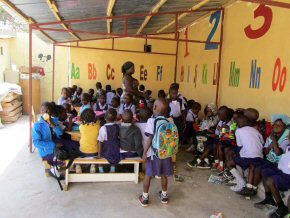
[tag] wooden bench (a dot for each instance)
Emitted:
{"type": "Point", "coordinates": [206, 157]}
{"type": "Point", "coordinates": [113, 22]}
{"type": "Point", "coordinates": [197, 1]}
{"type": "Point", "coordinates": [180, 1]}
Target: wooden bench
{"type": "Point", "coordinates": [102, 177]}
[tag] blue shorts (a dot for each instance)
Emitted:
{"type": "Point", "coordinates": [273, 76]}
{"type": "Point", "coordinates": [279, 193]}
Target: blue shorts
{"type": "Point", "coordinates": [267, 164]}
{"type": "Point", "coordinates": [159, 167]}
{"type": "Point", "coordinates": [245, 163]}
{"type": "Point", "coordinates": [210, 142]}
{"type": "Point", "coordinates": [281, 180]}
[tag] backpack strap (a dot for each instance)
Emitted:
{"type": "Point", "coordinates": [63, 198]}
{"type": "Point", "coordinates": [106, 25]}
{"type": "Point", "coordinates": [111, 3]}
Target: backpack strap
{"type": "Point", "coordinates": [155, 122]}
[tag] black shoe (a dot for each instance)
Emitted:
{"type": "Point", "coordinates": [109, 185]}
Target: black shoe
{"type": "Point", "coordinates": [247, 192]}
{"type": "Point", "coordinates": [54, 176]}
{"type": "Point", "coordinates": [280, 212]}
{"type": "Point", "coordinates": [266, 202]}
{"type": "Point", "coordinates": [143, 201]}
{"type": "Point", "coordinates": [163, 198]}
{"type": "Point", "coordinates": [203, 165]}
{"type": "Point", "coordinates": [191, 163]}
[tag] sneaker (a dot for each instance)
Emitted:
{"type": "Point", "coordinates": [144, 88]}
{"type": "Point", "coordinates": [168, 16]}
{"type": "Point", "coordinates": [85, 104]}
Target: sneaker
{"type": "Point", "coordinates": [280, 212]}
{"type": "Point", "coordinates": [143, 201]}
{"type": "Point", "coordinates": [238, 187]}
{"type": "Point", "coordinates": [247, 192]}
{"type": "Point", "coordinates": [232, 182]}
{"type": "Point", "coordinates": [163, 198]}
{"type": "Point", "coordinates": [191, 148]}
{"type": "Point", "coordinates": [214, 165]}
{"type": "Point", "coordinates": [203, 165]}
{"type": "Point", "coordinates": [78, 169]}
{"type": "Point", "coordinates": [220, 168]}
{"type": "Point", "coordinates": [157, 177]}
{"type": "Point", "coordinates": [191, 163]}
{"type": "Point", "coordinates": [265, 203]}
{"type": "Point", "coordinates": [93, 168]}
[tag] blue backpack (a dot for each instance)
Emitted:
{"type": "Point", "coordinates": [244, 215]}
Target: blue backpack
{"type": "Point", "coordinates": [165, 140]}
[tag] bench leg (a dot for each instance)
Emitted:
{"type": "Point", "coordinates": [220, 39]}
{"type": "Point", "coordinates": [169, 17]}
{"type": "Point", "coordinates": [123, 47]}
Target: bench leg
{"type": "Point", "coordinates": [136, 172]}
{"type": "Point", "coordinates": [46, 168]}
{"type": "Point", "coordinates": [65, 187]}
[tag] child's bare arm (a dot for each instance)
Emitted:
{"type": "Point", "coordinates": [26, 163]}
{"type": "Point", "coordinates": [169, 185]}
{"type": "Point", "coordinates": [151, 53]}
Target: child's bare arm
{"type": "Point", "coordinates": [100, 149]}
{"type": "Point", "coordinates": [146, 148]}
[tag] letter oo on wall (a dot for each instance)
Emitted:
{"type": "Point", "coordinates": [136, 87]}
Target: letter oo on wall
{"type": "Point", "coordinates": [279, 77]}
{"type": "Point", "coordinates": [110, 73]}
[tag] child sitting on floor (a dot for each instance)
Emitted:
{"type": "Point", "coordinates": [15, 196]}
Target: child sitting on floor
{"type": "Point", "coordinates": [86, 104]}
{"type": "Point", "coordinates": [191, 120]}
{"type": "Point", "coordinates": [101, 105]}
{"type": "Point", "coordinates": [115, 104]}
{"type": "Point", "coordinates": [251, 152]}
{"type": "Point", "coordinates": [93, 99]}
{"type": "Point", "coordinates": [274, 181]}
{"type": "Point", "coordinates": [77, 97]}
{"type": "Point", "coordinates": [154, 165]}
{"type": "Point", "coordinates": [89, 130]}
{"type": "Point", "coordinates": [128, 104]}
{"type": "Point", "coordinates": [65, 98]}
{"type": "Point", "coordinates": [43, 134]}
{"type": "Point", "coordinates": [130, 137]}
{"type": "Point", "coordinates": [109, 143]}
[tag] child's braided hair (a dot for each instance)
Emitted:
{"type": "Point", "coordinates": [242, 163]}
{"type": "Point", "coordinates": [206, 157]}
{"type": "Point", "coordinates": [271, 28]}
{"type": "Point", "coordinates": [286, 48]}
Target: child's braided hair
{"type": "Point", "coordinates": [88, 116]}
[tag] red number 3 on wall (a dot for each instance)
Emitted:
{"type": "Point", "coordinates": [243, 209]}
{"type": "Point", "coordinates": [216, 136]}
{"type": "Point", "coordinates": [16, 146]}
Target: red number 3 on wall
{"type": "Point", "coordinates": [267, 14]}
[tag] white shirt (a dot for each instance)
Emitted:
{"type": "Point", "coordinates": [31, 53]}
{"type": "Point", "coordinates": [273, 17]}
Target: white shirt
{"type": "Point", "coordinates": [110, 96]}
{"type": "Point", "coordinates": [176, 109]}
{"type": "Point", "coordinates": [142, 127]}
{"type": "Point", "coordinates": [124, 107]}
{"type": "Point", "coordinates": [103, 132]}
{"type": "Point", "coordinates": [251, 142]}
{"type": "Point", "coordinates": [284, 163]}
{"type": "Point", "coordinates": [191, 117]}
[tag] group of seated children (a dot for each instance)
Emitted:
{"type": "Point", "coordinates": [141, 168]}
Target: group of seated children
{"type": "Point", "coordinates": [230, 139]}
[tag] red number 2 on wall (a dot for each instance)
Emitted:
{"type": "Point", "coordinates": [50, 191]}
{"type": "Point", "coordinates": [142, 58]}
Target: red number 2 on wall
{"type": "Point", "coordinates": [267, 14]}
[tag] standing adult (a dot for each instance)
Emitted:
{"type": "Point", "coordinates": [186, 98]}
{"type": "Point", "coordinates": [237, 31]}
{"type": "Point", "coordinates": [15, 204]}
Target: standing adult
{"type": "Point", "coordinates": [130, 84]}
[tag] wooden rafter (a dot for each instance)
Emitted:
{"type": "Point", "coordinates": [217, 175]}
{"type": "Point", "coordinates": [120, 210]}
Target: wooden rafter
{"type": "Point", "coordinates": [54, 9]}
{"type": "Point", "coordinates": [155, 9]}
{"type": "Point", "coordinates": [109, 14]}
{"type": "Point", "coordinates": [195, 7]}
{"type": "Point", "coordinates": [30, 20]}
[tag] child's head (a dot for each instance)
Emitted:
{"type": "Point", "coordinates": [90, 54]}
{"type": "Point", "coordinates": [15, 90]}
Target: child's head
{"type": "Point", "coordinates": [62, 115]}
{"type": "Point", "coordinates": [108, 88]}
{"type": "Point", "coordinates": [127, 116]}
{"type": "Point", "coordinates": [141, 88]}
{"type": "Point", "coordinates": [279, 127]}
{"type": "Point", "coordinates": [74, 88]}
{"type": "Point", "coordinates": [210, 110]}
{"type": "Point", "coordinates": [252, 114]}
{"type": "Point", "coordinates": [46, 108]}
{"type": "Point", "coordinates": [115, 102]}
{"type": "Point", "coordinates": [160, 107]}
{"type": "Point", "coordinates": [79, 91]}
{"type": "Point", "coordinates": [196, 107]}
{"type": "Point", "coordinates": [161, 94]}
{"type": "Point", "coordinates": [67, 107]}
{"type": "Point", "coordinates": [111, 115]}
{"type": "Point", "coordinates": [236, 114]}
{"type": "Point", "coordinates": [88, 116]}
{"type": "Point", "coordinates": [144, 114]}
{"type": "Point", "coordinates": [119, 91]}
{"type": "Point", "coordinates": [175, 85]}
{"type": "Point", "coordinates": [243, 121]}
{"type": "Point", "coordinates": [65, 93]}
{"type": "Point", "coordinates": [189, 104]}
{"type": "Point", "coordinates": [173, 93]}
{"type": "Point", "coordinates": [91, 92]}
{"type": "Point", "coordinates": [69, 89]}
{"type": "Point", "coordinates": [128, 99]}
{"type": "Point", "coordinates": [99, 85]}
{"type": "Point", "coordinates": [85, 98]}
{"type": "Point", "coordinates": [223, 113]}
{"type": "Point", "coordinates": [148, 93]}
{"type": "Point", "coordinates": [103, 98]}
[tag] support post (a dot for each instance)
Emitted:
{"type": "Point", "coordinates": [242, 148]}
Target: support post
{"type": "Point", "coordinates": [30, 88]}
{"type": "Point", "coordinates": [220, 57]}
{"type": "Point", "coordinates": [53, 71]}
{"type": "Point", "coordinates": [176, 57]}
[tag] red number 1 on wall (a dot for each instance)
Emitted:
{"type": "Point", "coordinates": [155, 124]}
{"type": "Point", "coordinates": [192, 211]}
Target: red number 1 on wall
{"type": "Point", "coordinates": [267, 14]}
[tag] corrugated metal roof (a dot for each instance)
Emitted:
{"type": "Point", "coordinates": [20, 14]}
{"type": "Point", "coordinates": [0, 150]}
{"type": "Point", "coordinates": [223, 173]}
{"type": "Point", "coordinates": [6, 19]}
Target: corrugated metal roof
{"type": "Point", "coordinates": [41, 12]}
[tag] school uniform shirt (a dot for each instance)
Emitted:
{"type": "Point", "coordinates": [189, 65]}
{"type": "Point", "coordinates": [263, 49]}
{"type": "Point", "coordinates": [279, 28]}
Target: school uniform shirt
{"type": "Point", "coordinates": [219, 126]}
{"type": "Point", "coordinates": [251, 142]}
{"type": "Point", "coordinates": [182, 99]}
{"type": "Point", "coordinates": [89, 138]}
{"type": "Point", "coordinates": [124, 107]}
{"type": "Point", "coordinates": [191, 117]}
{"type": "Point", "coordinates": [284, 163]}
{"type": "Point", "coordinates": [176, 108]}
{"type": "Point", "coordinates": [86, 106]}
{"type": "Point", "coordinates": [149, 132]}
{"type": "Point", "coordinates": [283, 145]}
{"type": "Point", "coordinates": [62, 101]}
{"type": "Point", "coordinates": [110, 96]}
{"type": "Point", "coordinates": [98, 107]}
{"type": "Point", "coordinates": [115, 108]}
{"type": "Point", "coordinates": [103, 132]}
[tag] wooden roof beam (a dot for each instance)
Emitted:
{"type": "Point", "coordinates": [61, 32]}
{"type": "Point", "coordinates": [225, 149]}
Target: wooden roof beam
{"type": "Point", "coordinates": [195, 7]}
{"type": "Point", "coordinates": [54, 9]}
{"type": "Point", "coordinates": [109, 14]}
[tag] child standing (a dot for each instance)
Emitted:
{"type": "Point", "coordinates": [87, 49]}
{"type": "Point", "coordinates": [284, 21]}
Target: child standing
{"type": "Point", "coordinates": [154, 165]}
{"type": "Point", "coordinates": [89, 130]}
{"type": "Point", "coordinates": [130, 137]}
{"type": "Point", "coordinates": [109, 143]}
{"type": "Point", "coordinates": [101, 105]}
{"type": "Point", "coordinates": [65, 98]}
{"type": "Point", "coordinates": [86, 104]}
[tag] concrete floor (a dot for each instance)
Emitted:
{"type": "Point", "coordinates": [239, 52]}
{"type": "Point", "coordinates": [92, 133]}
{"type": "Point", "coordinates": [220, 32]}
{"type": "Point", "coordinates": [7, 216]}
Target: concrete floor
{"type": "Point", "coordinates": [26, 192]}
